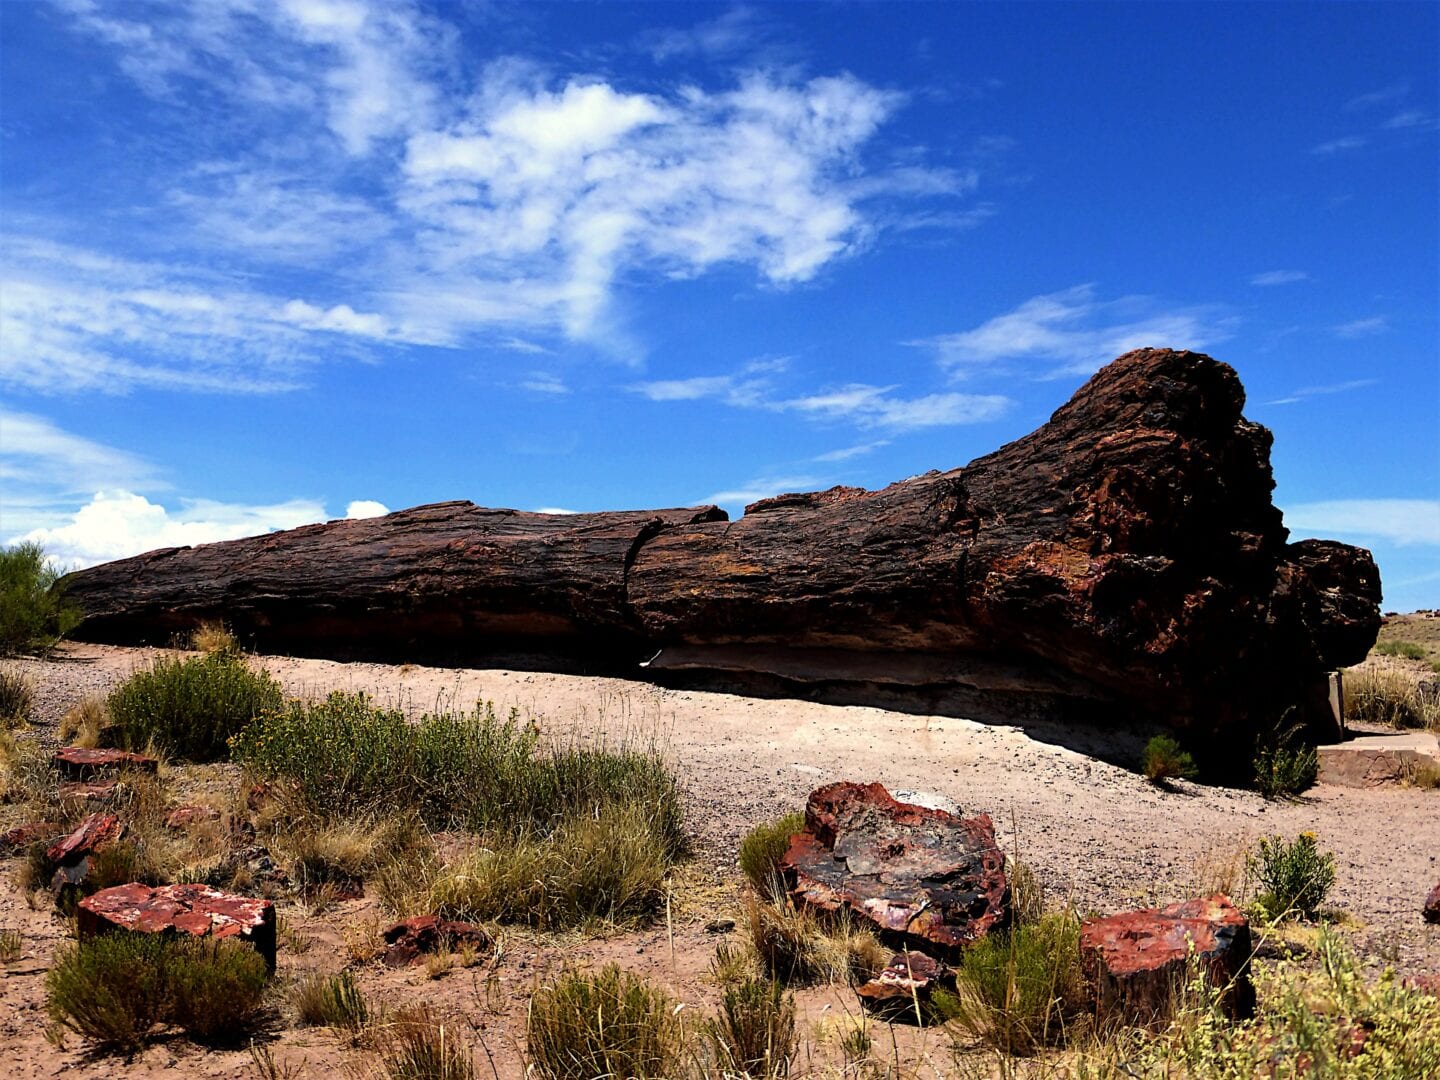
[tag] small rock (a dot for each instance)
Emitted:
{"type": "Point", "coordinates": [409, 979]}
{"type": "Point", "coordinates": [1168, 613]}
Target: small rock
{"type": "Point", "coordinates": [720, 926]}
{"type": "Point", "coordinates": [182, 816]}
{"type": "Point", "coordinates": [902, 991]}
{"type": "Point", "coordinates": [187, 909]}
{"type": "Point", "coordinates": [89, 790]}
{"type": "Point", "coordinates": [1431, 910]}
{"type": "Point", "coordinates": [1136, 961]}
{"type": "Point", "coordinates": [80, 763]}
{"type": "Point", "coordinates": [409, 939]}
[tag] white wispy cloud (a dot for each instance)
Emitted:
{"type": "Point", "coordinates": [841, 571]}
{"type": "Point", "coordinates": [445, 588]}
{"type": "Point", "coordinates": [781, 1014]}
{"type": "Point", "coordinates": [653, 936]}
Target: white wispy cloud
{"type": "Point", "coordinates": [1409, 119]}
{"type": "Point", "coordinates": [762, 487]}
{"type": "Point", "coordinates": [1320, 391]}
{"type": "Point", "coordinates": [740, 29]}
{"type": "Point", "coordinates": [1357, 328]}
{"type": "Point", "coordinates": [544, 382]}
{"type": "Point", "coordinates": [1279, 277]}
{"type": "Point", "coordinates": [1398, 521]}
{"type": "Point", "coordinates": [1384, 96]}
{"type": "Point", "coordinates": [1075, 332]}
{"type": "Point", "coordinates": [845, 453]}
{"type": "Point", "coordinates": [1340, 145]}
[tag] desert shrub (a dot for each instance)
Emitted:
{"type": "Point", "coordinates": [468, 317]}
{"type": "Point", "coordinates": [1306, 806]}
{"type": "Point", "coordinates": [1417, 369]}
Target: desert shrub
{"type": "Point", "coordinates": [1295, 877]}
{"type": "Point", "coordinates": [1389, 696]}
{"type": "Point", "coordinates": [345, 756]}
{"type": "Point", "coordinates": [85, 724]}
{"type": "Point", "coordinates": [608, 1023]}
{"type": "Point", "coordinates": [1406, 650]}
{"type": "Point", "coordinates": [190, 707]}
{"type": "Point", "coordinates": [117, 988]}
{"type": "Point", "coordinates": [754, 1034]}
{"type": "Point", "coordinates": [1165, 760]}
{"type": "Point", "coordinates": [1018, 990]}
{"type": "Point", "coordinates": [330, 1001]}
{"type": "Point", "coordinates": [33, 613]}
{"type": "Point", "coordinates": [418, 1045]}
{"type": "Point", "coordinates": [608, 865]}
{"type": "Point", "coordinates": [793, 946]}
{"type": "Point", "coordinates": [762, 848]}
{"type": "Point", "coordinates": [213, 637]}
{"type": "Point", "coordinates": [1284, 765]}
{"type": "Point", "coordinates": [17, 697]}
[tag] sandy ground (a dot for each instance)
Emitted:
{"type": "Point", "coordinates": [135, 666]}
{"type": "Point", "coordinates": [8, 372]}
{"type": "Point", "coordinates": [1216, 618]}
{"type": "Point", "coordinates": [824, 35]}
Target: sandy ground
{"type": "Point", "coordinates": [1094, 832]}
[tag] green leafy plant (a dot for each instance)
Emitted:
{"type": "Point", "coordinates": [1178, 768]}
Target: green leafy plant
{"type": "Point", "coordinates": [33, 612]}
{"type": "Point", "coordinates": [762, 848]}
{"type": "Point", "coordinates": [1284, 765]}
{"type": "Point", "coordinates": [116, 989]}
{"type": "Point", "coordinates": [190, 707]}
{"type": "Point", "coordinates": [754, 1034]}
{"type": "Point", "coordinates": [1406, 650]}
{"type": "Point", "coordinates": [1018, 990]}
{"type": "Point", "coordinates": [1295, 876]}
{"type": "Point", "coordinates": [1165, 760]}
{"type": "Point", "coordinates": [608, 1023]}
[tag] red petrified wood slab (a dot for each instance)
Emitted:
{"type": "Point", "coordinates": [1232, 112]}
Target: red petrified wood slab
{"type": "Point", "coordinates": [902, 990]}
{"type": "Point", "coordinates": [924, 879]}
{"type": "Point", "coordinates": [22, 836]}
{"type": "Point", "coordinates": [1136, 961]}
{"type": "Point", "coordinates": [80, 763]}
{"type": "Point", "coordinates": [180, 909]}
{"type": "Point", "coordinates": [410, 938]}
{"type": "Point", "coordinates": [1431, 911]}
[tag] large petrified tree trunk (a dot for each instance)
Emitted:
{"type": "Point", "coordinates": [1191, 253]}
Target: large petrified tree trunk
{"type": "Point", "coordinates": [1128, 548]}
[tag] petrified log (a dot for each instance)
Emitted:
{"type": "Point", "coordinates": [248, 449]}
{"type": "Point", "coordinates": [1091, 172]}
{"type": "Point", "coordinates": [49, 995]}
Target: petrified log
{"type": "Point", "coordinates": [922, 879]}
{"type": "Point", "coordinates": [1137, 963]}
{"type": "Point", "coordinates": [197, 910]}
{"type": "Point", "coordinates": [1127, 549]}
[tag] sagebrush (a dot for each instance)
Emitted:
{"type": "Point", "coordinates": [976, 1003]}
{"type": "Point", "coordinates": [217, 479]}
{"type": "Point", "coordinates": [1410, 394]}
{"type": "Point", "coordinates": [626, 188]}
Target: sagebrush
{"type": "Point", "coordinates": [1295, 876]}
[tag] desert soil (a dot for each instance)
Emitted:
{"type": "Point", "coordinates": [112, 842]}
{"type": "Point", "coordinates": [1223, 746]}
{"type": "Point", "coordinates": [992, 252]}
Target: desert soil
{"type": "Point", "coordinates": [1095, 832]}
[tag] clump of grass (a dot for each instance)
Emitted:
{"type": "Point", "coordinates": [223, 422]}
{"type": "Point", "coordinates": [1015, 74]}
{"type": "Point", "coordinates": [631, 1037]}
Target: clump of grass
{"type": "Point", "coordinates": [34, 615]}
{"type": "Point", "coordinates": [1405, 650]}
{"type": "Point", "coordinates": [118, 988]}
{"type": "Point", "coordinates": [1019, 990]}
{"type": "Point", "coordinates": [345, 755]}
{"type": "Point", "coordinates": [330, 1001]}
{"type": "Point", "coordinates": [1027, 892]}
{"type": "Point", "coordinates": [11, 945]}
{"type": "Point", "coordinates": [190, 706]}
{"type": "Point", "coordinates": [1294, 876]}
{"type": "Point", "coordinates": [754, 1034]}
{"type": "Point", "coordinates": [418, 1045]}
{"type": "Point", "coordinates": [213, 637]}
{"type": "Point", "coordinates": [762, 849]}
{"type": "Point", "coordinates": [1284, 765]}
{"type": "Point", "coordinates": [1165, 760]}
{"type": "Point", "coordinates": [607, 866]}
{"type": "Point", "coordinates": [85, 724]}
{"type": "Point", "coordinates": [1390, 696]}
{"type": "Point", "coordinates": [17, 697]}
{"type": "Point", "coordinates": [342, 853]}
{"type": "Point", "coordinates": [608, 1023]}
{"type": "Point", "coordinates": [793, 946]}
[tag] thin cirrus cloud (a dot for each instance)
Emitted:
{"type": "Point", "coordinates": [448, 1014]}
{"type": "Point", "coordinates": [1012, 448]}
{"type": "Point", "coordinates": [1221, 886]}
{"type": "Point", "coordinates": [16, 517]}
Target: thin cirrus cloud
{"type": "Point", "coordinates": [1359, 328]}
{"type": "Point", "coordinates": [1297, 396]}
{"type": "Point", "coordinates": [1074, 332]}
{"type": "Point", "coordinates": [1398, 521]}
{"type": "Point", "coordinates": [446, 207]}
{"type": "Point", "coordinates": [1339, 146]}
{"type": "Point", "coordinates": [1279, 277]}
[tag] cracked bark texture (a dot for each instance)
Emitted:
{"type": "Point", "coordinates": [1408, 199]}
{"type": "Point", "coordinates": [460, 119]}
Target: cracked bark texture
{"type": "Point", "coordinates": [1128, 546]}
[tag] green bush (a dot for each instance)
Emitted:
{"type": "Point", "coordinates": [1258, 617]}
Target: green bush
{"type": "Point", "coordinates": [1407, 650]}
{"type": "Point", "coordinates": [1017, 990]}
{"type": "Point", "coordinates": [1295, 877]}
{"type": "Point", "coordinates": [346, 755]}
{"type": "Point", "coordinates": [604, 1024]}
{"type": "Point", "coordinates": [118, 988]}
{"type": "Point", "coordinates": [1284, 765]}
{"type": "Point", "coordinates": [17, 697]}
{"type": "Point", "coordinates": [754, 1033]}
{"type": "Point", "coordinates": [762, 848]}
{"type": "Point", "coordinates": [33, 613]}
{"type": "Point", "coordinates": [1164, 760]}
{"type": "Point", "coordinates": [190, 707]}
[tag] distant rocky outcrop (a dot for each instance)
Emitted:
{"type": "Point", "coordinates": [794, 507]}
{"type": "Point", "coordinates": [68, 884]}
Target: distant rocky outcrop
{"type": "Point", "coordinates": [1126, 554]}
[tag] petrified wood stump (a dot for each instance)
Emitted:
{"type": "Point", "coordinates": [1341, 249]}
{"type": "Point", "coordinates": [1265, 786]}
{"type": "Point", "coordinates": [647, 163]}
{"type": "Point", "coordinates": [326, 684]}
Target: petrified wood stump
{"type": "Point", "coordinates": [1126, 551]}
{"type": "Point", "coordinates": [197, 910]}
{"type": "Point", "coordinates": [922, 879]}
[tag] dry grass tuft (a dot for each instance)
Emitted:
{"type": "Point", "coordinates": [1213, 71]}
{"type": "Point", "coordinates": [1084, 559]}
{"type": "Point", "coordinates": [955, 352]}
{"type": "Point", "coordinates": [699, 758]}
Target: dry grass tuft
{"type": "Point", "coordinates": [213, 637]}
{"type": "Point", "coordinates": [17, 697]}
{"type": "Point", "coordinates": [1393, 696]}
{"type": "Point", "coordinates": [608, 1023]}
{"type": "Point", "coordinates": [86, 724]}
{"type": "Point", "coordinates": [793, 946]}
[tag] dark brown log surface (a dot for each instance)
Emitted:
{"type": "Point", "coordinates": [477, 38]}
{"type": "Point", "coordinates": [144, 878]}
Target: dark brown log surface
{"type": "Point", "coordinates": [1128, 545]}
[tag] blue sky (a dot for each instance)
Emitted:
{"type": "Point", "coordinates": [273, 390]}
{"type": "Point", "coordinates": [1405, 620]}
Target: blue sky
{"type": "Point", "coordinates": [271, 261]}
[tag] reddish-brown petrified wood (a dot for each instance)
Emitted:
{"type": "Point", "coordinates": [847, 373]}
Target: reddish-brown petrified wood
{"type": "Point", "coordinates": [1137, 962]}
{"type": "Point", "coordinates": [1127, 552]}
{"type": "Point", "coordinates": [923, 879]}
{"type": "Point", "coordinates": [197, 910]}
{"type": "Point", "coordinates": [85, 763]}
